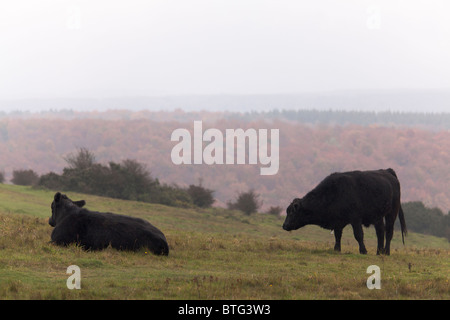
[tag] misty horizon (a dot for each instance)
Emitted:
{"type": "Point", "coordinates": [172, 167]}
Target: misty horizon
{"type": "Point", "coordinates": [234, 54]}
{"type": "Point", "coordinates": [415, 101]}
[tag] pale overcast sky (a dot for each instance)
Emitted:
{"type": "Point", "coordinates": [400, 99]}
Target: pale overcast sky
{"type": "Point", "coordinates": [109, 48]}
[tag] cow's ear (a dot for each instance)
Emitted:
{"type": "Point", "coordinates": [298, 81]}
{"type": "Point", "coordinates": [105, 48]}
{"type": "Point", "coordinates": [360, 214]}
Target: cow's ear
{"type": "Point", "coordinates": [80, 203]}
{"type": "Point", "coordinates": [57, 197]}
{"type": "Point", "coordinates": [297, 204]}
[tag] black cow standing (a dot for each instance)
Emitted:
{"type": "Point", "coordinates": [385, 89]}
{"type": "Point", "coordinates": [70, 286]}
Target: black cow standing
{"type": "Point", "coordinates": [357, 198]}
{"type": "Point", "coordinates": [97, 230]}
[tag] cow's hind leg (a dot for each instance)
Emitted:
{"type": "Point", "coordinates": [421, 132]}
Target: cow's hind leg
{"type": "Point", "coordinates": [337, 236]}
{"type": "Point", "coordinates": [359, 236]}
{"type": "Point", "coordinates": [380, 230]}
{"type": "Point", "coordinates": [389, 234]}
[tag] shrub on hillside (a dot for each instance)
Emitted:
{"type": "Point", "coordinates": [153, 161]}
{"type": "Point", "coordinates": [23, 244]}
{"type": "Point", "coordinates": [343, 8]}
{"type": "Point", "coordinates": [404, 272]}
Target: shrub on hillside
{"type": "Point", "coordinates": [201, 196]}
{"type": "Point", "coordinates": [275, 211]}
{"type": "Point", "coordinates": [25, 177]}
{"type": "Point", "coordinates": [51, 180]}
{"type": "Point", "coordinates": [128, 180]}
{"type": "Point", "coordinates": [426, 220]}
{"type": "Point", "coordinates": [246, 202]}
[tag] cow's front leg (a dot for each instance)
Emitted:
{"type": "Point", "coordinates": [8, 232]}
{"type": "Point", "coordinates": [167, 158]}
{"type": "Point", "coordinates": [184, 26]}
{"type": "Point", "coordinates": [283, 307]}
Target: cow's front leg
{"type": "Point", "coordinates": [359, 236]}
{"type": "Point", "coordinates": [337, 236]}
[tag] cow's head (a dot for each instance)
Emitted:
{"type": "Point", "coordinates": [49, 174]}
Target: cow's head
{"type": "Point", "coordinates": [61, 206]}
{"type": "Point", "coordinates": [296, 216]}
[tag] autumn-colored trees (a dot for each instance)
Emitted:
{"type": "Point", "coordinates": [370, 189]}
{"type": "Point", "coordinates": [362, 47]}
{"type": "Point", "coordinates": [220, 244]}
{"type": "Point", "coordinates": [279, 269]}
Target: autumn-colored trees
{"type": "Point", "coordinates": [309, 150]}
{"type": "Point", "coordinates": [313, 144]}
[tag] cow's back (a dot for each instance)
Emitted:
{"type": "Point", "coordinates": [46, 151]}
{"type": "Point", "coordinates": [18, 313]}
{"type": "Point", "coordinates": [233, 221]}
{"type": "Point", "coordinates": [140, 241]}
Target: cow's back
{"type": "Point", "coordinates": [98, 230]}
{"type": "Point", "coordinates": [366, 195]}
{"type": "Point", "coordinates": [375, 187]}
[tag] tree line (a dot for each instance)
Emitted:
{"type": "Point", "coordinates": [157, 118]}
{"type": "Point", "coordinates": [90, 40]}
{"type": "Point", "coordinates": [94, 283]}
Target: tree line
{"type": "Point", "coordinates": [425, 220]}
{"type": "Point", "coordinates": [439, 120]}
{"type": "Point", "coordinates": [128, 180]}
{"type": "Point", "coordinates": [435, 120]}
{"type": "Point", "coordinates": [131, 180]}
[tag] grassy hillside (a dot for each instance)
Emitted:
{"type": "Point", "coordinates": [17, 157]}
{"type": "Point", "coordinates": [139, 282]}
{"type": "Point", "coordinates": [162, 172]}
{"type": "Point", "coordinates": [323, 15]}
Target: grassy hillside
{"type": "Point", "coordinates": [214, 254]}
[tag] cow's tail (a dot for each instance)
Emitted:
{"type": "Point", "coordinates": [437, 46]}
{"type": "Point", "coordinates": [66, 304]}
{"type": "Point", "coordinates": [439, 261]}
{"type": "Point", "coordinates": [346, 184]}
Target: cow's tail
{"type": "Point", "coordinates": [401, 217]}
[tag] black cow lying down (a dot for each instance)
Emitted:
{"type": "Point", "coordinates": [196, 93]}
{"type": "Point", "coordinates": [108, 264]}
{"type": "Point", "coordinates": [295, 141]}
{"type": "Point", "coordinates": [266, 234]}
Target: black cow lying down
{"type": "Point", "coordinates": [97, 230]}
{"type": "Point", "coordinates": [357, 198]}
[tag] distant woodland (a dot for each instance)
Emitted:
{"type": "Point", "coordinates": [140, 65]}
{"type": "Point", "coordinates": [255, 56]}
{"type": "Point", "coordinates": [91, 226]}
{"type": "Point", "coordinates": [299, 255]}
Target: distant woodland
{"type": "Point", "coordinates": [313, 144]}
{"type": "Point", "coordinates": [433, 121]}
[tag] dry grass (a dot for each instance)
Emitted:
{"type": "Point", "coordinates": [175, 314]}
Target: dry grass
{"type": "Point", "coordinates": [215, 254]}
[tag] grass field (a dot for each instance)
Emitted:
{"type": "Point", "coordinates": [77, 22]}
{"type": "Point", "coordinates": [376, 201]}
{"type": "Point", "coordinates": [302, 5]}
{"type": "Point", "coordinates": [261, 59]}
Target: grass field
{"type": "Point", "coordinates": [214, 254]}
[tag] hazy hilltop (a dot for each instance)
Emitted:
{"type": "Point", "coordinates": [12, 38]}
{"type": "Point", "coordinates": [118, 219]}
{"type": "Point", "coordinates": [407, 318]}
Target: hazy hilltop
{"type": "Point", "coordinates": [424, 101]}
{"type": "Point", "coordinates": [313, 144]}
